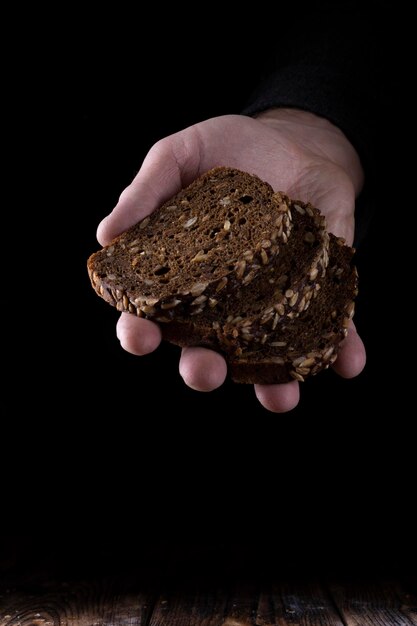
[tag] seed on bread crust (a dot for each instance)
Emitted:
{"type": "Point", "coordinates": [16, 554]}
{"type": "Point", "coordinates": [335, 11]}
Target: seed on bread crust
{"type": "Point", "coordinates": [148, 310]}
{"type": "Point", "coordinates": [268, 306]}
{"type": "Point", "coordinates": [198, 289]}
{"type": "Point", "coordinates": [222, 284]}
{"type": "Point", "coordinates": [296, 376]}
{"type": "Point", "coordinates": [199, 300]}
{"type": "Point", "coordinates": [243, 203]}
{"type": "Point", "coordinates": [240, 269]}
{"type": "Point", "coordinates": [170, 305]}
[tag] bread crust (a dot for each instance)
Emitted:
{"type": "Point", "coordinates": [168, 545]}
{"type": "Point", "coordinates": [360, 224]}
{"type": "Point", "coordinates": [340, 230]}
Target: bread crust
{"type": "Point", "coordinates": [213, 236]}
{"type": "Point", "coordinates": [274, 292]}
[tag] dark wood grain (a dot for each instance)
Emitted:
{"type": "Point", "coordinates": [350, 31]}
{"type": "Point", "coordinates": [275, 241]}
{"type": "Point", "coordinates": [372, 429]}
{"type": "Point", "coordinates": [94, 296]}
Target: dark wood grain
{"type": "Point", "coordinates": [283, 605]}
{"type": "Point", "coordinates": [383, 604]}
{"type": "Point", "coordinates": [121, 603]}
{"type": "Point", "coordinates": [105, 604]}
{"type": "Point", "coordinates": [407, 595]}
{"type": "Point", "coordinates": [297, 605]}
{"type": "Point", "coordinates": [208, 608]}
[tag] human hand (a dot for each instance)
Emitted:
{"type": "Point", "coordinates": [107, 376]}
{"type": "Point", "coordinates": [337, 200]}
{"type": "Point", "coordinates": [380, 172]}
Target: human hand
{"type": "Point", "coordinates": [296, 152]}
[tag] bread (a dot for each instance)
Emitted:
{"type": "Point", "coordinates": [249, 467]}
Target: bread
{"type": "Point", "coordinates": [211, 237]}
{"type": "Point", "coordinates": [231, 265]}
{"type": "Point", "coordinates": [283, 289]}
{"type": "Point", "coordinates": [306, 345]}
{"type": "Point", "coordinates": [298, 347]}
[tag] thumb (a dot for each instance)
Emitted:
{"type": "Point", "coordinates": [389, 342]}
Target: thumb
{"type": "Point", "coordinates": [171, 164]}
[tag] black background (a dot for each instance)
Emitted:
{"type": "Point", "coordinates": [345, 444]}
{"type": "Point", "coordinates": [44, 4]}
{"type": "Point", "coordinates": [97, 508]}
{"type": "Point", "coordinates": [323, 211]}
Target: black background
{"type": "Point", "coordinates": [105, 453]}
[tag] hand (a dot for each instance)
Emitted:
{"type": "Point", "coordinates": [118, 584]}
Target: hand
{"type": "Point", "coordinates": [296, 152]}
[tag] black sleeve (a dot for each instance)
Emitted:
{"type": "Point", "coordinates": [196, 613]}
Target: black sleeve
{"type": "Point", "coordinates": [327, 61]}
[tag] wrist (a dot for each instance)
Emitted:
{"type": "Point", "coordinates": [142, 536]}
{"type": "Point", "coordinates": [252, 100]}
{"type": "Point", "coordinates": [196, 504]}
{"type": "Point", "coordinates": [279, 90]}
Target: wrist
{"type": "Point", "coordinates": [319, 136]}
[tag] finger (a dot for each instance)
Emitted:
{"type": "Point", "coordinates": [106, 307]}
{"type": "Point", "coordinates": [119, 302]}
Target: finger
{"type": "Point", "coordinates": [352, 356]}
{"type": "Point", "coordinates": [136, 335]}
{"type": "Point", "coordinates": [278, 398]}
{"type": "Point", "coordinates": [171, 164]}
{"type": "Point", "coordinates": [202, 369]}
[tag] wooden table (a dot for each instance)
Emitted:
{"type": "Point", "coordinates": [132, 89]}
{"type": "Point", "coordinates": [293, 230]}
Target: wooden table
{"type": "Point", "coordinates": [118, 602]}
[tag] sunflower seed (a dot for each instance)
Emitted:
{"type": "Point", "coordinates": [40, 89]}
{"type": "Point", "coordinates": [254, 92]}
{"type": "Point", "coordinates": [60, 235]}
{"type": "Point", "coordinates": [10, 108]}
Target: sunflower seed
{"type": "Point", "coordinates": [248, 255]}
{"type": "Point", "coordinates": [240, 269]}
{"type": "Point", "coordinates": [190, 222]}
{"type": "Point", "coordinates": [293, 300]}
{"type": "Point", "coordinates": [307, 362]}
{"type": "Point", "coordinates": [313, 274]}
{"type": "Point", "coordinates": [199, 300]}
{"type": "Point", "coordinates": [144, 223]}
{"type": "Point", "coordinates": [299, 208]}
{"type": "Point", "coordinates": [221, 284]}
{"type": "Point", "coordinates": [170, 305]}
{"type": "Point", "coordinates": [149, 310]}
{"type": "Point", "coordinates": [198, 288]}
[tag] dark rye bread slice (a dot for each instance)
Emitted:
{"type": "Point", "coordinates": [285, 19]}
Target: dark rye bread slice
{"type": "Point", "coordinates": [283, 289]}
{"type": "Point", "coordinates": [303, 347]}
{"type": "Point", "coordinates": [286, 286]}
{"type": "Point", "coordinates": [210, 238]}
{"type": "Point", "coordinates": [299, 347]}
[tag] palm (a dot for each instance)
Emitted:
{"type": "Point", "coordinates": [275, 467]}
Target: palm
{"type": "Point", "coordinates": [301, 169]}
{"type": "Point", "coordinates": [307, 163]}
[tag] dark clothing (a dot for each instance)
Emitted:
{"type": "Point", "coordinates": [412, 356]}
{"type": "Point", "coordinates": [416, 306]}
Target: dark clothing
{"type": "Point", "coordinates": [329, 63]}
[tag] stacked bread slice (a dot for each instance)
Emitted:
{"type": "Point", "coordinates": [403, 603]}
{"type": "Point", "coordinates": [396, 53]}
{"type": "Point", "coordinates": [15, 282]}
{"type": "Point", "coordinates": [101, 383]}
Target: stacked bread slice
{"type": "Point", "coordinates": [212, 237]}
{"type": "Point", "coordinates": [231, 265]}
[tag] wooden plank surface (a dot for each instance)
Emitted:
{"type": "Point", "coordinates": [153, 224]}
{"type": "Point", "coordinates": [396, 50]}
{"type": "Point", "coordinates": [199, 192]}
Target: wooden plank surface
{"type": "Point", "coordinates": [105, 604]}
{"type": "Point", "coordinates": [365, 604]}
{"type": "Point", "coordinates": [200, 609]}
{"type": "Point", "coordinates": [117, 603]}
{"type": "Point", "coordinates": [298, 604]}
{"type": "Point", "coordinates": [408, 599]}
{"type": "Point", "coordinates": [207, 608]}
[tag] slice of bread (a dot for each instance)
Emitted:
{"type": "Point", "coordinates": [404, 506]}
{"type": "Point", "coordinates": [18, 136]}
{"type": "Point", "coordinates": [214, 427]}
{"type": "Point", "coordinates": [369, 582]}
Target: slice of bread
{"type": "Point", "coordinates": [283, 289]}
{"type": "Point", "coordinates": [298, 347]}
{"type": "Point", "coordinates": [209, 239]}
{"type": "Point", "coordinates": [304, 346]}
